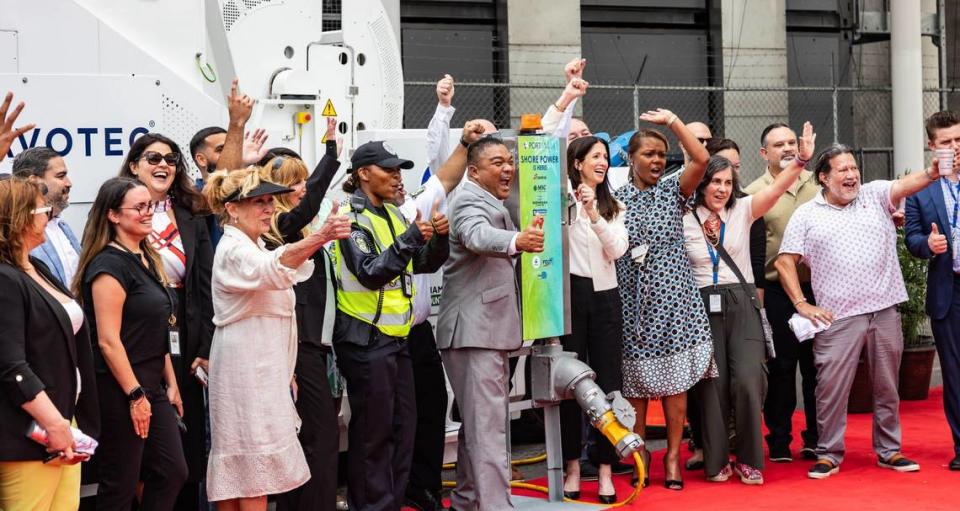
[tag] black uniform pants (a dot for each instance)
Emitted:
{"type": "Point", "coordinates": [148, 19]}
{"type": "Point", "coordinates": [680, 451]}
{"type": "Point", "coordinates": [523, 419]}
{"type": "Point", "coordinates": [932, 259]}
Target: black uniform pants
{"type": "Point", "coordinates": [125, 458]}
{"type": "Point", "coordinates": [383, 415]}
{"type": "Point", "coordinates": [597, 339]}
{"type": "Point", "coordinates": [319, 434]}
{"type": "Point", "coordinates": [781, 400]}
{"type": "Point", "coordinates": [431, 397]}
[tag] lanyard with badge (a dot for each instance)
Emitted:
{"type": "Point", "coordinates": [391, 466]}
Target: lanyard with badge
{"type": "Point", "coordinates": [956, 209]}
{"type": "Point", "coordinates": [173, 332]}
{"type": "Point", "coordinates": [715, 303]}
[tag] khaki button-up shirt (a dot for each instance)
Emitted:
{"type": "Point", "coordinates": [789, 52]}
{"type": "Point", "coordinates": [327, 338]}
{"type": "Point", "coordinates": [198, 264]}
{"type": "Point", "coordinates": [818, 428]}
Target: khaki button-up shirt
{"type": "Point", "coordinates": [804, 189]}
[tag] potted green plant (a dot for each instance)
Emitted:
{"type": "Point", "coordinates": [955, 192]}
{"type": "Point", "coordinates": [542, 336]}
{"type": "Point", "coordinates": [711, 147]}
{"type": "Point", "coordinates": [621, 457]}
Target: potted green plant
{"type": "Point", "coordinates": [916, 367]}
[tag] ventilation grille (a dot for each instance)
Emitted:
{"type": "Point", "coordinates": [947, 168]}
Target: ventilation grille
{"type": "Point", "coordinates": [332, 15]}
{"type": "Point", "coordinates": [180, 125]}
{"type": "Point", "coordinates": [392, 73]}
{"type": "Point", "coordinates": [233, 10]}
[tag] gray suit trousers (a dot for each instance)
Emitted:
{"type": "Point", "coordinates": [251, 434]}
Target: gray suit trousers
{"type": "Point", "coordinates": [836, 352]}
{"type": "Point", "coordinates": [479, 378]}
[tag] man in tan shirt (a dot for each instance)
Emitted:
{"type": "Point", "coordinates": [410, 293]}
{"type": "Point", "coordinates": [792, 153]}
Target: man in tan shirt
{"type": "Point", "coordinates": [779, 148]}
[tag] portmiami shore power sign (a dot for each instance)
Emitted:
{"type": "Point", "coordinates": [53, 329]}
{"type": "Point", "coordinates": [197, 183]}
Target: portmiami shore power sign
{"type": "Point", "coordinates": [542, 275]}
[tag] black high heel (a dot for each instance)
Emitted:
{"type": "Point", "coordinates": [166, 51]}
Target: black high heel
{"type": "Point", "coordinates": [572, 495]}
{"type": "Point", "coordinates": [607, 499]}
{"type": "Point", "coordinates": [671, 484]}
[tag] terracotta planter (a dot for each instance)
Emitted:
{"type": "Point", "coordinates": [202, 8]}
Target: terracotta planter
{"type": "Point", "coordinates": [861, 394]}
{"type": "Point", "coordinates": [916, 368]}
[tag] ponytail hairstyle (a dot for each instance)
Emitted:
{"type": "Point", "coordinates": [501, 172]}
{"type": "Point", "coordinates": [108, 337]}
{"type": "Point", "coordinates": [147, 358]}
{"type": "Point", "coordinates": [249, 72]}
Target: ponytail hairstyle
{"type": "Point", "coordinates": [222, 183]}
{"type": "Point", "coordinates": [100, 231]}
{"type": "Point", "coordinates": [577, 151]}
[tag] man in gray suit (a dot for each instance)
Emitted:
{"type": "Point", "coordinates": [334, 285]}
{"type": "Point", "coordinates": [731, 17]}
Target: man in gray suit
{"type": "Point", "coordinates": [479, 322]}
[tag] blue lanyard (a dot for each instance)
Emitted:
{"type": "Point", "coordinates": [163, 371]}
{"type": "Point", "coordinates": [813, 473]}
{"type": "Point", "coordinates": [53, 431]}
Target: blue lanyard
{"type": "Point", "coordinates": [715, 256]}
{"type": "Point", "coordinates": [956, 202]}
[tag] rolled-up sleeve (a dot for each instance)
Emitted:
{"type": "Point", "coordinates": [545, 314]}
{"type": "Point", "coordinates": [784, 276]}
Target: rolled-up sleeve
{"type": "Point", "coordinates": [18, 381]}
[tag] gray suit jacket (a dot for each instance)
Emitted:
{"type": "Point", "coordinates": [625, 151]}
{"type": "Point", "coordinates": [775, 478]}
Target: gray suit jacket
{"type": "Point", "coordinates": [480, 306]}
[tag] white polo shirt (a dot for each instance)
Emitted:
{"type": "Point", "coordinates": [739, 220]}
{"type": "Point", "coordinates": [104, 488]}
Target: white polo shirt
{"type": "Point", "coordinates": [423, 200]}
{"type": "Point", "coordinates": [851, 251]}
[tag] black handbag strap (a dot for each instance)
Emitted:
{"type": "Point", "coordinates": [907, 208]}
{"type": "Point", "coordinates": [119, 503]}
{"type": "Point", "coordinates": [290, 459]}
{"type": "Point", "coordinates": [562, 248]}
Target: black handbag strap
{"type": "Point", "coordinates": [733, 267]}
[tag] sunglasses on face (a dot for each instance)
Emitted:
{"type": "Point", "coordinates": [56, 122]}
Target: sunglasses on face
{"type": "Point", "coordinates": [154, 158]}
{"type": "Point", "coordinates": [46, 210]}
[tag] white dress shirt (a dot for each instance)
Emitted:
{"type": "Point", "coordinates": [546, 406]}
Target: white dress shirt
{"type": "Point", "coordinates": [595, 247]}
{"type": "Point", "coordinates": [69, 257]}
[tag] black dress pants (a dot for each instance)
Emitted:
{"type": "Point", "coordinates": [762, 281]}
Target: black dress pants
{"type": "Point", "coordinates": [781, 400]}
{"type": "Point", "coordinates": [319, 434]}
{"type": "Point", "coordinates": [597, 339]}
{"type": "Point", "coordinates": [125, 458]}
{"type": "Point", "coordinates": [383, 415]}
{"type": "Point", "coordinates": [431, 397]}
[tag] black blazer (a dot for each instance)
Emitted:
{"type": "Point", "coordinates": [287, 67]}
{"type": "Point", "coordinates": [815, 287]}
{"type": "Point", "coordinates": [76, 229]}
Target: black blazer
{"type": "Point", "coordinates": [195, 314]}
{"type": "Point", "coordinates": [39, 352]}
{"type": "Point", "coordinates": [312, 293]}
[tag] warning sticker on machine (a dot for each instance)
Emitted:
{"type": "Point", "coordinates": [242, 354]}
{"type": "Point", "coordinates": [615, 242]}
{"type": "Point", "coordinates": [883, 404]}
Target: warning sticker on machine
{"type": "Point", "coordinates": [328, 110]}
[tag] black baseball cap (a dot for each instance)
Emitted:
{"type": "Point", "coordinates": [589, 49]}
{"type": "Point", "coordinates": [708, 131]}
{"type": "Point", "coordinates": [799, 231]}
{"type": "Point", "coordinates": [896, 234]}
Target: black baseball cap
{"type": "Point", "coordinates": [264, 188]}
{"type": "Point", "coordinates": [378, 153]}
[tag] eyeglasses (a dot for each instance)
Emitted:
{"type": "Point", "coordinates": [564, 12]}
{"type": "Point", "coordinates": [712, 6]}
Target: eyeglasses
{"type": "Point", "coordinates": [142, 208]}
{"type": "Point", "coordinates": [154, 158]}
{"type": "Point", "coordinates": [46, 210]}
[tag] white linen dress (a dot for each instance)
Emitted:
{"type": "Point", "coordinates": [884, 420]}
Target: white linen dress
{"type": "Point", "coordinates": [253, 418]}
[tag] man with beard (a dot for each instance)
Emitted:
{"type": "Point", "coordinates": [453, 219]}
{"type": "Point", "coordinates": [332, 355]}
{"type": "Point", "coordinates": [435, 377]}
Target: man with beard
{"type": "Point", "coordinates": [778, 147]}
{"type": "Point", "coordinates": [846, 237]}
{"type": "Point", "coordinates": [205, 148]}
{"type": "Point", "coordinates": [61, 250]}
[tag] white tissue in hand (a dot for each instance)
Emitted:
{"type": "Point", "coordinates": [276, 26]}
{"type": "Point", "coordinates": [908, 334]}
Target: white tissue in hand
{"type": "Point", "coordinates": [803, 328]}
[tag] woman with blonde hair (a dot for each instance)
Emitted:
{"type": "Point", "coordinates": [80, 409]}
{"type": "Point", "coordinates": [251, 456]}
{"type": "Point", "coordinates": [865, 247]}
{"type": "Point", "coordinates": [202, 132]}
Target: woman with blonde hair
{"type": "Point", "coordinates": [315, 313]}
{"type": "Point", "coordinates": [132, 311]}
{"type": "Point", "coordinates": [253, 418]}
{"type": "Point", "coordinates": [46, 366]}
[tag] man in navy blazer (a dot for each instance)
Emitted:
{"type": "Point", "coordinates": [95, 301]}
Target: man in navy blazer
{"type": "Point", "coordinates": [933, 232]}
{"type": "Point", "coordinates": [60, 250]}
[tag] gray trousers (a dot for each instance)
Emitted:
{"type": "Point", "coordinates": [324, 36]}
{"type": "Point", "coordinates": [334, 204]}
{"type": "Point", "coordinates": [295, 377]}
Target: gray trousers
{"type": "Point", "coordinates": [739, 351]}
{"type": "Point", "coordinates": [479, 378]}
{"type": "Point", "coordinates": [836, 352]}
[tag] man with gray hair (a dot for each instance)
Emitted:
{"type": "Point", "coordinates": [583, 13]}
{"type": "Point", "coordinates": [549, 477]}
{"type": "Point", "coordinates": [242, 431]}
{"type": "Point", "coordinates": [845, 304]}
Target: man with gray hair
{"type": "Point", "coordinates": [61, 250]}
{"type": "Point", "coordinates": [846, 237]}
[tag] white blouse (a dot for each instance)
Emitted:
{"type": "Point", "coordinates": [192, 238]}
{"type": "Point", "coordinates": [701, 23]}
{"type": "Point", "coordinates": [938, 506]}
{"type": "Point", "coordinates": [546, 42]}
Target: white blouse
{"type": "Point", "coordinates": [594, 247]}
{"type": "Point", "coordinates": [736, 240]}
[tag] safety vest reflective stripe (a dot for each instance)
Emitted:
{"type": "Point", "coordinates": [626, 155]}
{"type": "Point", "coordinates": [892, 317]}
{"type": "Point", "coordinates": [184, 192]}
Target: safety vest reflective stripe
{"type": "Point", "coordinates": [386, 308]}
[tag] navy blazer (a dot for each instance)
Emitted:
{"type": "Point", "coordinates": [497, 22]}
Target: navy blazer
{"type": "Point", "coordinates": [923, 209]}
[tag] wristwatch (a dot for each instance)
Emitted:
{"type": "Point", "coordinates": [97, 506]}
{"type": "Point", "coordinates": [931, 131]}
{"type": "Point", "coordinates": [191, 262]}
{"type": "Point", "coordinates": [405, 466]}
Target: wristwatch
{"type": "Point", "coordinates": [135, 394]}
{"type": "Point", "coordinates": [464, 143]}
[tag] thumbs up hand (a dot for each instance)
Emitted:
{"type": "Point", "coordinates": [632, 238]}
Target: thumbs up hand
{"type": "Point", "coordinates": [426, 228]}
{"type": "Point", "coordinates": [439, 221]}
{"type": "Point", "coordinates": [936, 241]}
{"type": "Point", "coordinates": [531, 238]}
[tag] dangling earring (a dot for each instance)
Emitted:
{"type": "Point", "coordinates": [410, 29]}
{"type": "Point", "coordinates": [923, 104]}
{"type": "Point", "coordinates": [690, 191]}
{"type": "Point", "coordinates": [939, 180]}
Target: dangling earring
{"type": "Point", "coordinates": [234, 219]}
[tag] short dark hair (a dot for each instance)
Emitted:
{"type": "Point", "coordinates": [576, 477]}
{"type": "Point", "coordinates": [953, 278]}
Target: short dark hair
{"type": "Point", "coordinates": [766, 131]}
{"type": "Point", "coordinates": [717, 164]}
{"type": "Point", "coordinates": [822, 165]}
{"type": "Point", "coordinates": [200, 139]}
{"type": "Point", "coordinates": [475, 149]}
{"type": "Point", "coordinates": [633, 145]}
{"type": "Point", "coordinates": [717, 144]}
{"type": "Point", "coordinates": [33, 161]}
{"type": "Point", "coordinates": [940, 120]}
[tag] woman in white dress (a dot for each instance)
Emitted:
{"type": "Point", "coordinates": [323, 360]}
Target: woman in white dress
{"type": "Point", "coordinates": [255, 451]}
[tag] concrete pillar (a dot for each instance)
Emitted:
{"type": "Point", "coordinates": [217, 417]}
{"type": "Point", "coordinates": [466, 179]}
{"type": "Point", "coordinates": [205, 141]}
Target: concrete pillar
{"type": "Point", "coordinates": [906, 72]}
{"type": "Point", "coordinates": [542, 36]}
{"type": "Point", "coordinates": [754, 41]}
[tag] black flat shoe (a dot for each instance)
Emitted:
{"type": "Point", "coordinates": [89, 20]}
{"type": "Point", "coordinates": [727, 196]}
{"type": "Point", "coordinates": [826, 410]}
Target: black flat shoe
{"type": "Point", "coordinates": [422, 499]}
{"type": "Point", "coordinates": [572, 495]}
{"type": "Point", "coordinates": [955, 463]}
{"type": "Point", "coordinates": [607, 499]}
{"type": "Point", "coordinates": [672, 484]}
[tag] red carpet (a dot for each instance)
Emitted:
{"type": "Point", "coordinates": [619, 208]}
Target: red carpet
{"type": "Point", "coordinates": [860, 485]}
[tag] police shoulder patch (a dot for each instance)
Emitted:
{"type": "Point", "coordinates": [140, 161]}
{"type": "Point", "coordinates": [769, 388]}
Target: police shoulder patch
{"type": "Point", "coordinates": [361, 240]}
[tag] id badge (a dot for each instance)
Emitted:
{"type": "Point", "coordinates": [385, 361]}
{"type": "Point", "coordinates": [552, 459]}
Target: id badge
{"type": "Point", "coordinates": [174, 337]}
{"type": "Point", "coordinates": [715, 304]}
{"type": "Point", "coordinates": [639, 253]}
{"type": "Point", "coordinates": [406, 283]}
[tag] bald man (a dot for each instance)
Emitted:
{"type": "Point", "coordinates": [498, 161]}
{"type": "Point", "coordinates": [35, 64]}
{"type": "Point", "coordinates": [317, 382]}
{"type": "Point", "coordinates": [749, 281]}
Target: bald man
{"type": "Point", "coordinates": [699, 130]}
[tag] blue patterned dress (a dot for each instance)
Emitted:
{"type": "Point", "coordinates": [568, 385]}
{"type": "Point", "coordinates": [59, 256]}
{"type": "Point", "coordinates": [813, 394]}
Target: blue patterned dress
{"type": "Point", "coordinates": [667, 344]}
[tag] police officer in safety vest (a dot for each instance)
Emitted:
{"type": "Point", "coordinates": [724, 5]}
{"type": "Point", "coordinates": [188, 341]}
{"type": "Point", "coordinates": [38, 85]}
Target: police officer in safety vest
{"type": "Point", "coordinates": [374, 270]}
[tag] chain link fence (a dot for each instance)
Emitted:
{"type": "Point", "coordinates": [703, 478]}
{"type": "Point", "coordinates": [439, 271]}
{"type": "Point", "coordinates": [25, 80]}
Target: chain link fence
{"type": "Point", "coordinates": [857, 116]}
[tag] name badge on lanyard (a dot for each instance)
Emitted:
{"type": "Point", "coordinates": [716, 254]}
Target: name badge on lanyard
{"type": "Point", "coordinates": [715, 301]}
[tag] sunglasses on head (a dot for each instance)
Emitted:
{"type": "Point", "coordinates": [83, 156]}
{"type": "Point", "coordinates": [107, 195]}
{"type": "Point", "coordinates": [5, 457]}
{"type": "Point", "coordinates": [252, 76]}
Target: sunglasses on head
{"type": "Point", "coordinates": [45, 210]}
{"type": "Point", "coordinates": [154, 158]}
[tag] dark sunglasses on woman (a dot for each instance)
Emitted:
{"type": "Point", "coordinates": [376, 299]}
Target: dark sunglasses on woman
{"type": "Point", "coordinates": [154, 158]}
